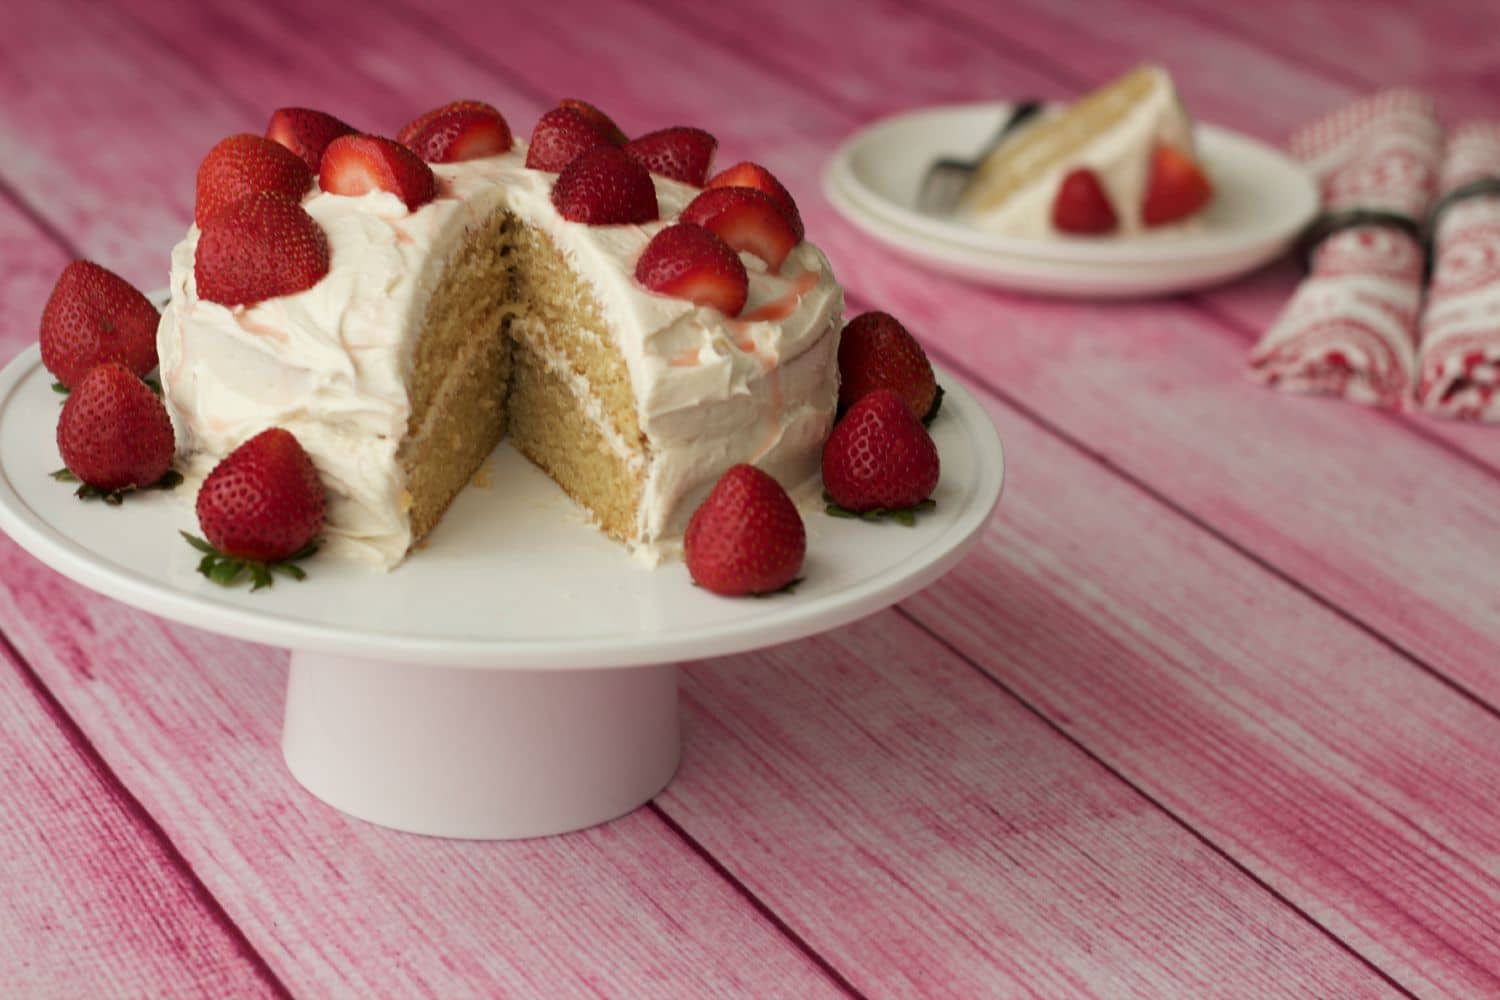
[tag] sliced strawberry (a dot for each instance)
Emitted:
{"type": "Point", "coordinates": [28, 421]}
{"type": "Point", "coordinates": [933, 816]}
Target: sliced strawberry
{"type": "Point", "coordinates": [604, 187]}
{"type": "Point", "coordinates": [604, 122]}
{"type": "Point", "coordinates": [560, 136]}
{"type": "Point", "coordinates": [687, 261]}
{"type": "Point", "coordinates": [746, 537]}
{"type": "Point", "coordinates": [306, 132]}
{"type": "Point", "coordinates": [358, 164]}
{"type": "Point", "coordinates": [94, 316]}
{"type": "Point", "coordinates": [877, 352]}
{"type": "Point", "coordinates": [260, 508]}
{"type": "Point", "coordinates": [1081, 206]}
{"type": "Point", "coordinates": [259, 248]}
{"type": "Point", "coordinates": [1178, 187]}
{"type": "Point", "coordinates": [879, 457]}
{"type": "Point", "coordinates": [745, 219]}
{"type": "Point", "coordinates": [753, 175]}
{"type": "Point", "coordinates": [114, 433]}
{"type": "Point", "coordinates": [410, 129]}
{"type": "Point", "coordinates": [461, 135]}
{"type": "Point", "coordinates": [681, 153]}
{"type": "Point", "coordinates": [244, 164]}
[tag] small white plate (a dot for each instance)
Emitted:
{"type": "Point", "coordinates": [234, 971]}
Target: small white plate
{"type": "Point", "coordinates": [1262, 200]}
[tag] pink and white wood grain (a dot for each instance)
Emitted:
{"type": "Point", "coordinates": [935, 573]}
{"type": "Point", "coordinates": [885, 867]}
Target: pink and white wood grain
{"type": "Point", "coordinates": [1210, 713]}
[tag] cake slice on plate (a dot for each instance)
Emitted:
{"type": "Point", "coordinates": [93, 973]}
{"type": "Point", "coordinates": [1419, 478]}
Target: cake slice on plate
{"type": "Point", "coordinates": [1121, 159]}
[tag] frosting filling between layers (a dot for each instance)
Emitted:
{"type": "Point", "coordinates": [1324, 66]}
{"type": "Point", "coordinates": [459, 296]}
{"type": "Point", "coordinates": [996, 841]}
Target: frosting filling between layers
{"type": "Point", "coordinates": [330, 364]}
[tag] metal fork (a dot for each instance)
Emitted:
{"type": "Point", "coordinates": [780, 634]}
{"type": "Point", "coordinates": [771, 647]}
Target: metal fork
{"type": "Point", "coordinates": [946, 179]}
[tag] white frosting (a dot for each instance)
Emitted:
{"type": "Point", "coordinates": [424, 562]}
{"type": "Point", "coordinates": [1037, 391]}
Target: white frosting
{"type": "Point", "coordinates": [1121, 157]}
{"type": "Point", "coordinates": [330, 363]}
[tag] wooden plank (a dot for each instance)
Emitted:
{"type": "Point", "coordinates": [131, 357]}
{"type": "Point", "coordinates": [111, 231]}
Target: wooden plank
{"type": "Point", "coordinates": [95, 903]}
{"type": "Point", "coordinates": [1196, 565]}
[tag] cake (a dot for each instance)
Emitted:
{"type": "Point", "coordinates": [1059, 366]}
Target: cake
{"type": "Point", "coordinates": [1120, 159]}
{"type": "Point", "coordinates": [485, 313]}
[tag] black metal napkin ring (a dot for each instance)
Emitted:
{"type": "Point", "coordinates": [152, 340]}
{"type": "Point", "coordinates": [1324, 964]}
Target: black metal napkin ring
{"type": "Point", "coordinates": [1479, 187]}
{"type": "Point", "coordinates": [1330, 223]}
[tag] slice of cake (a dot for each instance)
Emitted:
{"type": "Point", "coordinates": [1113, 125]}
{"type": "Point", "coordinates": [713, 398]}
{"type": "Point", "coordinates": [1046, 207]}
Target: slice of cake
{"type": "Point", "coordinates": [1120, 159]}
{"type": "Point", "coordinates": [498, 303]}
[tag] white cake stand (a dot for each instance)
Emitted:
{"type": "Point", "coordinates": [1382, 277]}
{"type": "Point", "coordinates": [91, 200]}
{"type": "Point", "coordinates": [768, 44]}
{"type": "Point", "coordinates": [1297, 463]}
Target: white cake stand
{"type": "Point", "coordinates": [518, 677]}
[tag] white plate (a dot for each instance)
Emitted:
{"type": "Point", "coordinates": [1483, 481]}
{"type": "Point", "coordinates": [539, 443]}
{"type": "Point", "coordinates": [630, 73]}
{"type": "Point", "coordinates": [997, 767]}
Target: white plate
{"type": "Point", "coordinates": [512, 578]}
{"type": "Point", "coordinates": [1262, 201]}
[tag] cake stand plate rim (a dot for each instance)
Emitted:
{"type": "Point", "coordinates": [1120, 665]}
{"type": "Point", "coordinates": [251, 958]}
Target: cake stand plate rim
{"type": "Point", "coordinates": [795, 617]}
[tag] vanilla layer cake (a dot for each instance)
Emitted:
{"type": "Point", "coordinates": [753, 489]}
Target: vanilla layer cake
{"type": "Point", "coordinates": [1111, 130]}
{"type": "Point", "coordinates": [436, 331]}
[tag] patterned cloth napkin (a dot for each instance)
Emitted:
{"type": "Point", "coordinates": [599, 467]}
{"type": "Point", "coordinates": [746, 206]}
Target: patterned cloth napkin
{"type": "Point", "coordinates": [1350, 328]}
{"type": "Point", "coordinates": [1461, 323]}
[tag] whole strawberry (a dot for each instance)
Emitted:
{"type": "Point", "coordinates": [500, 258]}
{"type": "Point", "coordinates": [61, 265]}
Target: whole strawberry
{"type": "Point", "coordinates": [604, 187]}
{"type": "Point", "coordinates": [746, 537]}
{"type": "Point", "coordinates": [681, 153]}
{"type": "Point", "coordinates": [94, 316]}
{"type": "Point", "coordinates": [562, 135]}
{"type": "Point", "coordinates": [879, 457]}
{"type": "Point", "coordinates": [876, 352]}
{"type": "Point", "coordinates": [306, 132]}
{"type": "Point", "coordinates": [260, 247]}
{"type": "Point", "coordinates": [114, 433]}
{"type": "Point", "coordinates": [243, 165]}
{"type": "Point", "coordinates": [261, 507]}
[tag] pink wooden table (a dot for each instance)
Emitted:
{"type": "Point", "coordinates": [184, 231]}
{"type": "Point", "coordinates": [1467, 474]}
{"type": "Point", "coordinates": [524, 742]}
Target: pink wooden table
{"type": "Point", "coordinates": [1214, 710]}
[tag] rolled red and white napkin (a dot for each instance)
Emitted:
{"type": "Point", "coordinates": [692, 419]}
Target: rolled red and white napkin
{"type": "Point", "coordinates": [1350, 328]}
{"type": "Point", "coordinates": [1460, 355]}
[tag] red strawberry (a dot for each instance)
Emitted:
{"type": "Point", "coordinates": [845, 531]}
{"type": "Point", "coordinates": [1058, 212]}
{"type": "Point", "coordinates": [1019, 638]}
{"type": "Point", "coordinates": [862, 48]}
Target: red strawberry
{"type": "Point", "coordinates": [602, 121]}
{"type": "Point", "coordinates": [244, 164]}
{"type": "Point", "coordinates": [306, 132]}
{"type": "Point", "coordinates": [114, 433]}
{"type": "Point", "coordinates": [879, 457]}
{"type": "Point", "coordinates": [94, 316]}
{"type": "Point", "coordinates": [681, 153]}
{"type": "Point", "coordinates": [1177, 188]}
{"type": "Point", "coordinates": [747, 537]}
{"type": "Point", "coordinates": [259, 248]}
{"type": "Point", "coordinates": [745, 219]}
{"type": "Point", "coordinates": [358, 164]}
{"type": "Point", "coordinates": [876, 352]}
{"type": "Point", "coordinates": [687, 261]}
{"type": "Point", "coordinates": [410, 130]}
{"type": "Point", "coordinates": [753, 175]}
{"type": "Point", "coordinates": [264, 501]}
{"type": "Point", "coordinates": [560, 136]}
{"type": "Point", "coordinates": [461, 135]}
{"type": "Point", "coordinates": [1081, 206]}
{"type": "Point", "coordinates": [604, 187]}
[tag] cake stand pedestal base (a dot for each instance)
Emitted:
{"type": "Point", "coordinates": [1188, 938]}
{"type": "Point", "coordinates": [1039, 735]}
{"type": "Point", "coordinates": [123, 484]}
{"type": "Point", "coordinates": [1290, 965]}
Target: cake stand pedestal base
{"type": "Point", "coordinates": [480, 753]}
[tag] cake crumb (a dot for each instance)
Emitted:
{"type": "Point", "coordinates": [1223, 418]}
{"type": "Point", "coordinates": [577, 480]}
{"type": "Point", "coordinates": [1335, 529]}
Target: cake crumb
{"type": "Point", "coordinates": [481, 478]}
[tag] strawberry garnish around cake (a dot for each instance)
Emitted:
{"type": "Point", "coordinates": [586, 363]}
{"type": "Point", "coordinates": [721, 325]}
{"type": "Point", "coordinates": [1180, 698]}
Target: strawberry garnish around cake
{"type": "Point", "coordinates": [747, 220]}
{"type": "Point", "coordinates": [687, 261]}
{"type": "Point", "coordinates": [876, 352]}
{"type": "Point", "coordinates": [757, 177]}
{"type": "Point", "coordinates": [680, 153]}
{"type": "Point", "coordinates": [306, 132]}
{"type": "Point", "coordinates": [94, 316]}
{"type": "Point", "coordinates": [746, 537]}
{"type": "Point", "coordinates": [1177, 188]}
{"type": "Point", "coordinates": [1082, 206]}
{"type": "Point", "coordinates": [114, 435]}
{"type": "Point", "coordinates": [598, 118]}
{"type": "Point", "coordinates": [261, 509]}
{"type": "Point", "coordinates": [355, 165]}
{"type": "Point", "coordinates": [461, 130]}
{"type": "Point", "coordinates": [561, 136]}
{"type": "Point", "coordinates": [879, 461]}
{"type": "Point", "coordinates": [243, 165]}
{"type": "Point", "coordinates": [259, 248]}
{"type": "Point", "coordinates": [604, 187]}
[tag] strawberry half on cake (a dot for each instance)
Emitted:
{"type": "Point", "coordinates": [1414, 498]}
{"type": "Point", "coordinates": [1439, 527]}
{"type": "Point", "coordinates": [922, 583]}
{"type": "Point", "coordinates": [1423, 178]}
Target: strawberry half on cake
{"type": "Point", "coordinates": [1121, 159]}
{"type": "Point", "coordinates": [409, 301]}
